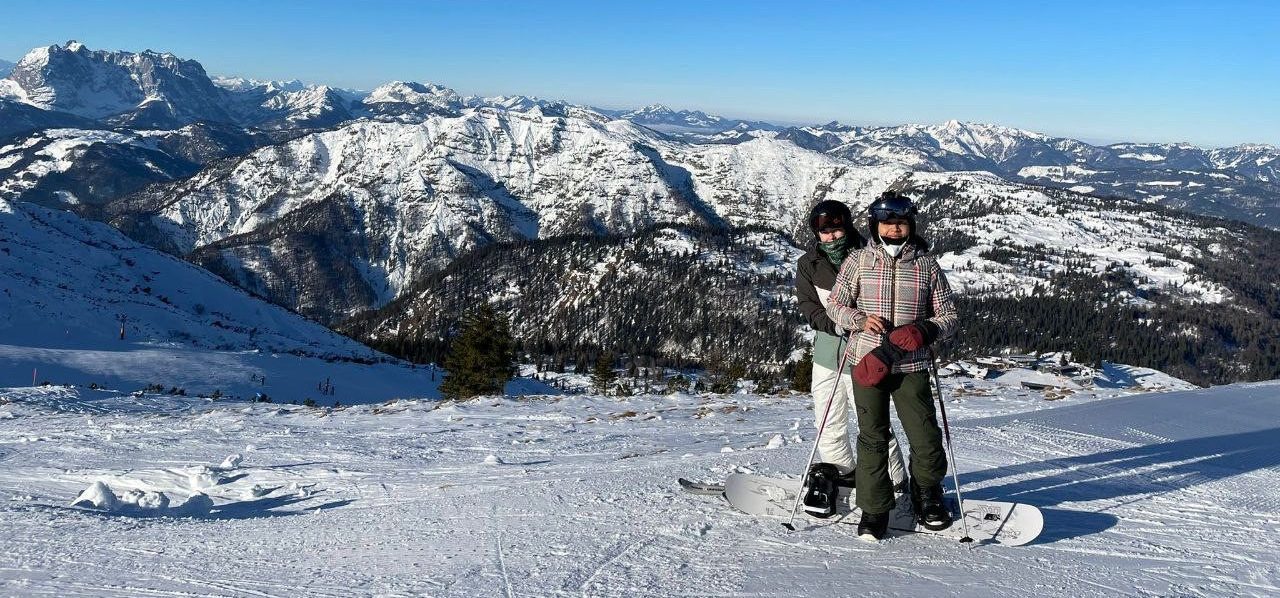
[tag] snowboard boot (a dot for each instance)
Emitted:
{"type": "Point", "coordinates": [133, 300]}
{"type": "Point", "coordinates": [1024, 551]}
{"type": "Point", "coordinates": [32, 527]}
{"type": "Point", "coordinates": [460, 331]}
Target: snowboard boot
{"type": "Point", "coordinates": [846, 480]}
{"type": "Point", "coordinates": [821, 492]}
{"type": "Point", "coordinates": [873, 526]}
{"type": "Point", "coordinates": [929, 510]}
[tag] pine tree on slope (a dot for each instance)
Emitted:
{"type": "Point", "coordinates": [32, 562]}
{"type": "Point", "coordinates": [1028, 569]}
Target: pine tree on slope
{"type": "Point", "coordinates": [482, 358]}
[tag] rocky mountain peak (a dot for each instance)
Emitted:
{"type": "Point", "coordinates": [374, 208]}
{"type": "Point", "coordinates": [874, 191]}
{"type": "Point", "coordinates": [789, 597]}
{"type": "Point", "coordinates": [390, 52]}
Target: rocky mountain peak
{"type": "Point", "coordinates": [147, 88]}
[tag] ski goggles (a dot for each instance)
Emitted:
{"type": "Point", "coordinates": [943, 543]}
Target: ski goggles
{"type": "Point", "coordinates": [882, 214]}
{"type": "Point", "coordinates": [826, 223]}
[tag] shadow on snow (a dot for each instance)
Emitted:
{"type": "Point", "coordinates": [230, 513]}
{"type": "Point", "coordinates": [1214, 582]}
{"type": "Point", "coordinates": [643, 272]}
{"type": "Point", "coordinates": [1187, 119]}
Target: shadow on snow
{"type": "Point", "coordinates": [1137, 472]}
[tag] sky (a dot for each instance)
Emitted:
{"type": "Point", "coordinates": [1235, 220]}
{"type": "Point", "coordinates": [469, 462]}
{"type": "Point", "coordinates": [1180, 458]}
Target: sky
{"type": "Point", "coordinates": [1202, 72]}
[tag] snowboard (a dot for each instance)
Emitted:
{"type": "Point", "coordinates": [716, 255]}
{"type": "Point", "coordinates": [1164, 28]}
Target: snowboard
{"type": "Point", "coordinates": [1006, 523]}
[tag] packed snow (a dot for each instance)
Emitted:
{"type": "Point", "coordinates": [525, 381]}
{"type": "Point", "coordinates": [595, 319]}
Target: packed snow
{"type": "Point", "coordinates": [1148, 493]}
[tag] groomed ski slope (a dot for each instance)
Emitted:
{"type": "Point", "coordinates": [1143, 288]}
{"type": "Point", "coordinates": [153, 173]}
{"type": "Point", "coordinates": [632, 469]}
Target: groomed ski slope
{"type": "Point", "coordinates": [1149, 494]}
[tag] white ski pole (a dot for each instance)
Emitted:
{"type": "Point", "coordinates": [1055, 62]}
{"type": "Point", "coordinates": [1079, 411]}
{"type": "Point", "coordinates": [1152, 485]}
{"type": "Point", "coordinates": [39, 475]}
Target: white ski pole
{"type": "Point", "coordinates": [951, 454]}
{"type": "Point", "coordinates": [823, 426]}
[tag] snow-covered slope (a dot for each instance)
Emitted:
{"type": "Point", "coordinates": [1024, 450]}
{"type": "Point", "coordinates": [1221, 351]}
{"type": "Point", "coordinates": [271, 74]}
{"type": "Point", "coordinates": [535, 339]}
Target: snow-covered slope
{"type": "Point", "coordinates": [71, 287]}
{"type": "Point", "coordinates": [1153, 494]}
{"type": "Point", "coordinates": [79, 166]}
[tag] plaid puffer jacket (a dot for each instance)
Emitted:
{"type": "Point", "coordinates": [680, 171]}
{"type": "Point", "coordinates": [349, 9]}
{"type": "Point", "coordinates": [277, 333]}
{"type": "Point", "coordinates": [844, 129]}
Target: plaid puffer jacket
{"type": "Point", "coordinates": [903, 290]}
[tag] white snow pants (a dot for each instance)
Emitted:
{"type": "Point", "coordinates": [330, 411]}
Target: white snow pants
{"type": "Point", "coordinates": [833, 443]}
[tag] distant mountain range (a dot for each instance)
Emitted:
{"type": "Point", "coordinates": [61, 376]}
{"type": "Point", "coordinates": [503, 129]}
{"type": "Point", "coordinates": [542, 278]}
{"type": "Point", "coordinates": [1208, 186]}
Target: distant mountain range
{"type": "Point", "coordinates": [1240, 182]}
{"type": "Point", "coordinates": [333, 202]}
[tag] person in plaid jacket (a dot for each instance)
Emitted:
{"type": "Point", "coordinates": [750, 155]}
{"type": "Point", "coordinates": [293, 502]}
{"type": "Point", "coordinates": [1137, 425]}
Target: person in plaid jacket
{"type": "Point", "coordinates": [896, 298]}
{"type": "Point", "coordinates": [835, 238]}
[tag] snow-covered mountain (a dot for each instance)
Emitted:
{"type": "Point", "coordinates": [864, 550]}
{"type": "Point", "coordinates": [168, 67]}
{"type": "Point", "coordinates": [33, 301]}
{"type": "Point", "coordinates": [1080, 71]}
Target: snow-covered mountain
{"type": "Point", "coordinates": [145, 89]}
{"type": "Point", "coordinates": [77, 167]}
{"type": "Point", "coordinates": [81, 303]}
{"type": "Point", "coordinates": [160, 90]}
{"type": "Point", "coordinates": [357, 196]}
{"type": "Point", "coordinates": [6, 67]}
{"type": "Point", "coordinates": [401, 98]}
{"type": "Point", "coordinates": [1084, 269]}
{"type": "Point", "coordinates": [387, 202]}
{"type": "Point", "coordinates": [150, 89]}
{"type": "Point", "coordinates": [1241, 183]}
{"type": "Point", "coordinates": [17, 118]}
{"type": "Point", "coordinates": [391, 201]}
{"type": "Point", "coordinates": [71, 282]}
{"type": "Point", "coordinates": [689, 125]}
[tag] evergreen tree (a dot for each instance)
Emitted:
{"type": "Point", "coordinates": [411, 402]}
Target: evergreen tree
{"type": "Point", "coordinates": [602, 376]}
{"type": "Point", "coordinates": [482, 358]}
{"type": "Point", "coordinates": [678, 384]}
{"type": "Point", "coordinates": [802, 379]}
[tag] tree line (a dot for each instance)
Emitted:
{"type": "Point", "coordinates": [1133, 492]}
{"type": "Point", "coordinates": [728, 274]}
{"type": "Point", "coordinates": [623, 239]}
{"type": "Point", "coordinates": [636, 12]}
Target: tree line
{"type": "Point", "coordinates": [684, 297]}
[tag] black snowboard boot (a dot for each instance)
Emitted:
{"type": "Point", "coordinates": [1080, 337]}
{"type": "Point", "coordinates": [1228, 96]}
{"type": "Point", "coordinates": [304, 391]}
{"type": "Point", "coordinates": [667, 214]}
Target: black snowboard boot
{"type": "Point", "coordinates": [929, 510]}
{"type": "Point", "coordinates": [821, 493]}
{"type": "Point", "coordinates": [873, 526]}
{"type": "Point", "coordinates": [846, 480]}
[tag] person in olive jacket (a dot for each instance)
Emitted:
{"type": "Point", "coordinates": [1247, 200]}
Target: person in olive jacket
{"type": "Point", "coordinates": [835, 239]}
{"type": "Point", "coordinates": [897, 299]}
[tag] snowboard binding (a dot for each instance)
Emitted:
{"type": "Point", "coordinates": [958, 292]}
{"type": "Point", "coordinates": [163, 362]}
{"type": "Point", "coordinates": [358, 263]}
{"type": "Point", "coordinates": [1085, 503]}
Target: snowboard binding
{"type": "Point", "coordinates": [822, 490]}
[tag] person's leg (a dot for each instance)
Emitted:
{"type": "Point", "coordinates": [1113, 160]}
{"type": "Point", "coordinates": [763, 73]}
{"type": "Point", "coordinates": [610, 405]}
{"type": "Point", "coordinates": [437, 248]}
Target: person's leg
{"type": "Point", "coordinates": [875, 492]}
{"type": "Point", "coordinates": [897, 467]}
{"type": "Point", "coordinates": [913, 400]}
{"type": "Point", "coordinates": [833, 441]}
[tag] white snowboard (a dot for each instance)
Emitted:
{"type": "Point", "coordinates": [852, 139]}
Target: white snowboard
{"type": "Point", "coordinates": [1011, 524]}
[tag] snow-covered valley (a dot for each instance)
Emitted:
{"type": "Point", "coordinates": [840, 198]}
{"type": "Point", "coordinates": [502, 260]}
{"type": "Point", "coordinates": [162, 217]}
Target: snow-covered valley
{"type": "Point", "coordinates": [1143, 494]}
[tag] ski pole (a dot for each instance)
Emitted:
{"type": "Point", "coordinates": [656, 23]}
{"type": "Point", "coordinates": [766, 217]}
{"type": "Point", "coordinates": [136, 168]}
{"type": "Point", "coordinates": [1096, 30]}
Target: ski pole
{"type": "Point", "coordinates": [951, 453]}
{"type": "Point", "coordinates": [822, 426]}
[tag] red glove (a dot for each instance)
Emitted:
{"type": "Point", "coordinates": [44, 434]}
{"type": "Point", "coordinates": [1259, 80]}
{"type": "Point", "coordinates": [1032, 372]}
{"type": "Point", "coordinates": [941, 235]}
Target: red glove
{"type": "Point", "coordinates": [914, 336]}
{"type": "Point", "coordinates": [874, 366]}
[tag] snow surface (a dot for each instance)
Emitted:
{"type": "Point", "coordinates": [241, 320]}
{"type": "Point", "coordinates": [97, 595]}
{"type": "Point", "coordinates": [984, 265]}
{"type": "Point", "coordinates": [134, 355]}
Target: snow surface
{"type": "Point", "coordinates": [1146, 494]}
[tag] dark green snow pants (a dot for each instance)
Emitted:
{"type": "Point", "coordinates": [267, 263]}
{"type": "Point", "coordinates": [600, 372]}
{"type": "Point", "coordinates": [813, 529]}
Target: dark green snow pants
{"type": "Point", "coordinates": [914, 401]}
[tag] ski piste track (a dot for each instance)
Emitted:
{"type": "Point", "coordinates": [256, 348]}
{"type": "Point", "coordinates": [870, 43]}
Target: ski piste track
{"type": "Point", "coordinates": [1152, 494]}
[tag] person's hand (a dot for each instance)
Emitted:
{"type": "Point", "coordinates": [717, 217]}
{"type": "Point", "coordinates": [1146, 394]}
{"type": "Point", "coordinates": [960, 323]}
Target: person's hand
{"type": "Point", "coordinates": [876, 325]}
{"type": "Point", "coordinates": [914, 336]}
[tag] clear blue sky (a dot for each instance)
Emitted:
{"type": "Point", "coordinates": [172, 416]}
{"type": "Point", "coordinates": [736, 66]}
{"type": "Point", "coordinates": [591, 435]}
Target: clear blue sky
{"type": "Point", "coordinates": [1205, 72]}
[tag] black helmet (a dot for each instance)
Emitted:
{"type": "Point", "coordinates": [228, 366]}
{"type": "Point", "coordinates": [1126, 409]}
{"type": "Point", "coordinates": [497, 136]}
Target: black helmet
{"type": "Point", "coordinates": [891, 205]}
{"type": "Point", "coordinates": [832, 214]}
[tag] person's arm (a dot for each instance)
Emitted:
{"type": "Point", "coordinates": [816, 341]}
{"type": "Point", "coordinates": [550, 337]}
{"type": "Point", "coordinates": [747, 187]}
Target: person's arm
{"type": "Point", "coordinates": [942, 324]}
{"type": "Point", "coordinates": [842, 305]}
{"type": "Point", "coordinates": [943, 305]}
{"type": "Point", "coordinates": [810, 304]}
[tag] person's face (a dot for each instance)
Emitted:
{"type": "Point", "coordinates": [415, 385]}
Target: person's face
{"type": "Point", "coordinates": [893, 229]}
{"type": "Point", "coordinates": [829, 235]}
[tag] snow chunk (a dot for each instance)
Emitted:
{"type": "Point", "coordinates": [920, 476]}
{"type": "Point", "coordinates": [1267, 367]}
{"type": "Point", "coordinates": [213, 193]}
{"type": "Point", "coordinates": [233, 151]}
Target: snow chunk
{"type": "Point", "coordinates": [201, 477]}
{"type": "Point", "coordinates": [98, 496]}
{"type": "Point", "coordinates": [776, 442]}
{"type": "Point", "coordinates": [198, 504]}
{"type": "Point", "coordinates": [145, 499]}
{"type": "Point", "coordinates": [257, 491]}
{"type": "Point", "coordinates": [231, 462]}
{"type": "Point", "coordinates": [493, 460]}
